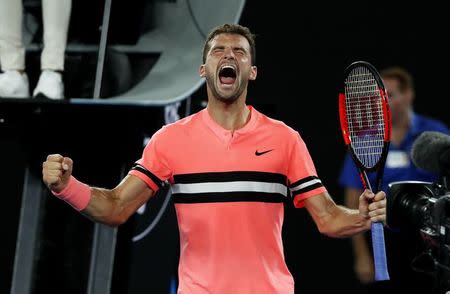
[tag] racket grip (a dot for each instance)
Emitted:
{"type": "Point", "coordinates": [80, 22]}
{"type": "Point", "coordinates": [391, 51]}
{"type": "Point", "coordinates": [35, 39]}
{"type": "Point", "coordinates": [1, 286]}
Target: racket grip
{"type": "Point", "coordinates": [379, 252]}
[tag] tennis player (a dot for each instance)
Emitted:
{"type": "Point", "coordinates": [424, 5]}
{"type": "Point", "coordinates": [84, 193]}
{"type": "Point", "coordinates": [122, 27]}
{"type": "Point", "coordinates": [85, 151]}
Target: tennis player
{"type": "Point", "coordinates": [230, 168]}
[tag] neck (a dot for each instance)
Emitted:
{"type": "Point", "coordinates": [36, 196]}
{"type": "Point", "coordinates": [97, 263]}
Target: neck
{"type": "Point", "coordinates": [229, 116]}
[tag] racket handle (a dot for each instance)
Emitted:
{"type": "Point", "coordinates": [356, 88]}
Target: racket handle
{"type": "Point", "coordinates": [379, 252]}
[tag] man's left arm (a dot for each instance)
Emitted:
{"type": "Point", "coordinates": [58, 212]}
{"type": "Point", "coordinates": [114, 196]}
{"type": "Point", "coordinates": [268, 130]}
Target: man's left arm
{"type": "Point", "coordinates": [339, 221]}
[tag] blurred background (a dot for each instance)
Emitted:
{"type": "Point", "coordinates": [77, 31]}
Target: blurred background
{"type": "Point", "coordinates": [302, 51]}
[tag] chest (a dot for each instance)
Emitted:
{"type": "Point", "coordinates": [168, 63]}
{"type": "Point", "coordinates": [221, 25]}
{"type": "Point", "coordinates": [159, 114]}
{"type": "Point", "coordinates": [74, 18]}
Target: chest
{"type": "Point", "coordinates": [238, 152]}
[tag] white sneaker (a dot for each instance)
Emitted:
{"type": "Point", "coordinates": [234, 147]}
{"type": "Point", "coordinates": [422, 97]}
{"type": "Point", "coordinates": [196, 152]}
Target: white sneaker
{"type": "Point", "coordinates": [14, 84]}
{"type": "Point", "coordinates": [50, 85]}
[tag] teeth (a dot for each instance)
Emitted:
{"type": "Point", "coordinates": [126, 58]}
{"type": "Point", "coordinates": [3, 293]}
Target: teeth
{"type": "Point", "coordinates": [228, 66]}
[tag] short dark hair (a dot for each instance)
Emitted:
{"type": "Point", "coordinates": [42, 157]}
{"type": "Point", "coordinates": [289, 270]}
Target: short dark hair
{"type": "Point", "coordinates": [404, 78]}
{"type": "Point", "coordinates": [231, 29]}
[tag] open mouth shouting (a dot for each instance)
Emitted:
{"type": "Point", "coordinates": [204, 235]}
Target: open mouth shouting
{"type": "Point", "coordinates": [227, 75]}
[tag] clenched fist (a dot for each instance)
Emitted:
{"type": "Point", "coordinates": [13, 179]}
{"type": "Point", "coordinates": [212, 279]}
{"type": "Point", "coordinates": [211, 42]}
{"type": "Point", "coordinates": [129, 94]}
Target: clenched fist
{"type": "Point", "coordinates": [56, 171]}
{"type": "Point", "coordinates": [373, 205]}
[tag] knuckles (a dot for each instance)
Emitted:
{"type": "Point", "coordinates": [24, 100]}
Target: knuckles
{"type": "Point", "coordinates": [51, 165]}
{"type": "Point", "coordinates": [55, 157]}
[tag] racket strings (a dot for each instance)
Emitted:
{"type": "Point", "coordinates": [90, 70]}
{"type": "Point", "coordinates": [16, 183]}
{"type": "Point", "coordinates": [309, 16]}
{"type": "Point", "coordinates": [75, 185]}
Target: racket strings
{"type": "Point", "coordinates": [364, 116]}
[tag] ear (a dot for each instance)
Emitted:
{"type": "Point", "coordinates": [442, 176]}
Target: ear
{"type": "Point", "coordinates": [201, 71]}
{"type": "Point", "coordinates": [253, 73]}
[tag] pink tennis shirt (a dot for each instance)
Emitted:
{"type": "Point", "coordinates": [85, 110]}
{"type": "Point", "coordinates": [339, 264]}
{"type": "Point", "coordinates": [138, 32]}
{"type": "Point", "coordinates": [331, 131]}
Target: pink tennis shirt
{"type": "Point", "coordinates": [229, 190]}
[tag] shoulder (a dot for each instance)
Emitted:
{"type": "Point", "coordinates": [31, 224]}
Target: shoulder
{"type": "Point", "coordinates": [182, 123]}
{"type": "Point", "coordinates": [426, 123]}
{"type": "Point", "coordinates": [278, 127]}
{"type": "Point", "coordinates": [174, 130]}
{"type": "Point", "coordinates": [283, 134]}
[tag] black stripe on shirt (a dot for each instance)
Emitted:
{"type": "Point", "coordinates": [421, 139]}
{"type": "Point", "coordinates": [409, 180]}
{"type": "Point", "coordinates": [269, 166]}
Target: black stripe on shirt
{"type": "Point", "coordinates": [228, 197]}
{"type": "Point", "coordinates": [232, 176]}
{"type": "Point", "coordinates": [306, 189]}
{"type": "Point", "coordinates": [146, 172]}
{"type": "Point", "coordinates": [302, 181]}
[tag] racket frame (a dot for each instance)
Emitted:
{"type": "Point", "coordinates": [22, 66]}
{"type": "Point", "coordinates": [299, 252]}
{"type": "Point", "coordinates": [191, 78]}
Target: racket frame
{"type": "Point", "coordinates": [379, 166]}
{"type": "Point", "coordinates": [381, 272]}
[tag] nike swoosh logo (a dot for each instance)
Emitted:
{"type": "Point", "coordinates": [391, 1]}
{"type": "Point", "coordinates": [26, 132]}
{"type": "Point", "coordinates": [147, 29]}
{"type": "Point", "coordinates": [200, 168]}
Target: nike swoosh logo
{"type": "Point", "coordinates": [261, 153]}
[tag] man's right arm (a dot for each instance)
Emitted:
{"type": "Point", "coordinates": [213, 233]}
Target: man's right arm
{"type": "Point", "coordinates": [109, 206]}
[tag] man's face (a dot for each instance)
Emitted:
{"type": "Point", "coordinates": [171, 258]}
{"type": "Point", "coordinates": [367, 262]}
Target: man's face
{"type": "Point", "coordinates": [400, 102]}
{"type": "Point", "coordinates": [228, 67]}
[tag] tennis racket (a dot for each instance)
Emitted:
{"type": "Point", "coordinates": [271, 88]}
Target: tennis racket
{"type": "Point", "coordinates": [366, 127]}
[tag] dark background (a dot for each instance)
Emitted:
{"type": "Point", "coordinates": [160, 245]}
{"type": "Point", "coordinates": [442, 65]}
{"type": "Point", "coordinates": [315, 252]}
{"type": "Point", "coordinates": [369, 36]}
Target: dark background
{"type": "Point", "coordinates": [302, 51]}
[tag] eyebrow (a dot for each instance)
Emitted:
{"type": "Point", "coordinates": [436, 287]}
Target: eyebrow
{"type": "Point", "coordinates": [234, 48]}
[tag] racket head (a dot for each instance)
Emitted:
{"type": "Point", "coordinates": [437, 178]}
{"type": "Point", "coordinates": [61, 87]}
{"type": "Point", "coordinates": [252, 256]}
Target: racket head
{"type": "Point", "coordinates": [364, 115]}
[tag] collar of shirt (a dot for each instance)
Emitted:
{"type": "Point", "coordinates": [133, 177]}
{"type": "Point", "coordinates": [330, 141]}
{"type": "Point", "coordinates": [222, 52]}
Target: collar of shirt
{"type": "Point", "coordinates": [225, 134]}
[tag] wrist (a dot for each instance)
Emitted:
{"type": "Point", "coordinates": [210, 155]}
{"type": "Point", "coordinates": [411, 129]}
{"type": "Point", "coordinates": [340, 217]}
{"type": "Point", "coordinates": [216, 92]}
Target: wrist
{"type": "Point", "coordinates": [76, 193]}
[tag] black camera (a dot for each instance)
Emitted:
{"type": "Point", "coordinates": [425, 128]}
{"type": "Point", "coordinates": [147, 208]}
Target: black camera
{"type": "Point", "coordinates": [424, 207]}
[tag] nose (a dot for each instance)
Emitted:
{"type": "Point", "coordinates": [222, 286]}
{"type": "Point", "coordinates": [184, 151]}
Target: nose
{"type": "Point", "coordinates": [229, 54]}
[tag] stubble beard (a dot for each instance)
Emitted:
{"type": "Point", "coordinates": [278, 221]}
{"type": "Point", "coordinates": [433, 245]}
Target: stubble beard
{"type": "Point", "coordinates": [227, 99]}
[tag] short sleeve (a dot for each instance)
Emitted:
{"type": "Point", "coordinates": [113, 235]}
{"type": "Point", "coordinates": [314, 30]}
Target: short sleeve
{"type": "Point", "coordinates": [153, 167]}
{"type": "Point", "coordinates": [302, 175]}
